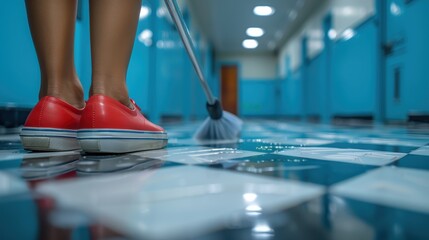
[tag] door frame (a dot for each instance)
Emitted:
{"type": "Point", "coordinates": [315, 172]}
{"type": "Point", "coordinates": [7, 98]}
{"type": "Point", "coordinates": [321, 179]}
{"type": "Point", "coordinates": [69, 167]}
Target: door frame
{"type": "Point", "coordinates": [219, 65]}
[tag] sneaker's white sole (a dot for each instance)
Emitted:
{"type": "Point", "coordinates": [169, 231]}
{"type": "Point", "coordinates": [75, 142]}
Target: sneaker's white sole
{"type": "Point", "coordinates": [49, 139]}
{"type": "Point", "coordinates": [120, 141]}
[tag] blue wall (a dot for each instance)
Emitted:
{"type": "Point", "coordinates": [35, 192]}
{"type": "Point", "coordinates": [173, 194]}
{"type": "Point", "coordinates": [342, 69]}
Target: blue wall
{"type": "Point", "coordinates": [292, 94]}
{"type": "Point", "coordinates": [354, 72]}
{"type": "Point", "coordinates": [316, 72]}
{"type": "Point", "coordinates": [258, 97]}
{"type": "Point", "coordinates": [160, 77]}
{"type": "Point", "coordinates": [19, 71]}
{"type": "Point", "coordinates": [352, 84]}
{"type": "Point", "coordinates": [348, 74]}
{"type": "Point", "coordinates": [410, 37]}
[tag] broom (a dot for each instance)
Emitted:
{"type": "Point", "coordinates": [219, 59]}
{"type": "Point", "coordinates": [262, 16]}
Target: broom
{"type": "Point", "coordinates": [220, 125]}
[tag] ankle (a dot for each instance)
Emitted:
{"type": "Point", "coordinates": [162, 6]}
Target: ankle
{"type": "Point", "coordinates": [70, 91]}
{"type": "Point", "coordinates": [120, 94]}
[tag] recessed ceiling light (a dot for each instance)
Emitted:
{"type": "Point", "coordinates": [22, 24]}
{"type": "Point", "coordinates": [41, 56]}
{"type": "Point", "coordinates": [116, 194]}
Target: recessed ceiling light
{"type": "Point", "coordinates": [255, 32]}
{"type": "Point", "coordinates": [263, 10]}
{"type": "Point", "coordinates": [250, 43]}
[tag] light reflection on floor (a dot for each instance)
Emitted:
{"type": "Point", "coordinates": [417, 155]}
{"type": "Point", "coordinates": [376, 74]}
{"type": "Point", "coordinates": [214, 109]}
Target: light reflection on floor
{"type": "Point", "coordinates": [279, 180]}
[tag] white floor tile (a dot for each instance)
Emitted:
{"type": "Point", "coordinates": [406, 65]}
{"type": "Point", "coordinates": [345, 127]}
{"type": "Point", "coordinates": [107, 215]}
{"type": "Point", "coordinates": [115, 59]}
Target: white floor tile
{"type": "Point", "coordinates": [356, 156]}
{"type": "Point", "coordinates": [294, 128]}
{"type": "Point", "coordinates": [10, 185]}
{"type": "Point", "coordinates": [334, 136]}
{"type": "Point", "coordinates": [391, 186]}
{"type": "Point", "coordinates": [177, 202]}
{"type": "Point", "coordinates": [299, 141]}
{"type": "Point", "coordinates": [195, 142]}
{"type": "Point", "coordinates": [424, 151]}
{"type": "Point", "coordinates": [391, 142]}
{"type": "Point", "coordinates": [197, 155]}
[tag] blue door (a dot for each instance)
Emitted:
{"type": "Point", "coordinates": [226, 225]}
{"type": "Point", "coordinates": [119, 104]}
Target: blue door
{"type": "Point", "coordinates": [406, 48]}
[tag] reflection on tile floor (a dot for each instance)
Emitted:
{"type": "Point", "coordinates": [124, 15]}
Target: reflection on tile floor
{"type": "Point", "coordinates": [197, 155]}
{"type": "Point", "coordinates": [356, 156]}
{"type": "Point", "coordinates": [390, 186]}
{"type": "Point", "coordinates": [280, 180]}
{"type": "Point", "coordinates": [424, 151]}
{"type": "Point", "coordinates": [146, 204]}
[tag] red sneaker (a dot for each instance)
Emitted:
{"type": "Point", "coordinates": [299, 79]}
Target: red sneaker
{"type": "Point", "coordinates": [107, 126]}
{"type": "Point", "coordinates": [51, 126]}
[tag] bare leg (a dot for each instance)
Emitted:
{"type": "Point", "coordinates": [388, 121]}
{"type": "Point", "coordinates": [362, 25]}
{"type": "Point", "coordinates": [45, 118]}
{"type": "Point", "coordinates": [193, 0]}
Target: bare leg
{"type": "Point", "coordinates": [52, 24]}
{"type": "Point", "coordinates": [113, 29]}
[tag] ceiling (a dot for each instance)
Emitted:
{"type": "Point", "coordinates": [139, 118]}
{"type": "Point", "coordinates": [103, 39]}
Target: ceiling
{"type": "Point", "coordinates": [224, 22]}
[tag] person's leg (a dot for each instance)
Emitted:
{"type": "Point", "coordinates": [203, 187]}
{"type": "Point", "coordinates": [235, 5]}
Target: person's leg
{"type": "Point", "coordinates": [111, 122]}
{"type": "Point", "coordinates": [113, 29]}
{"type": "Point", "coordinates": [52, 124]}
{"type": "Point", "coordinates": [52, 25]}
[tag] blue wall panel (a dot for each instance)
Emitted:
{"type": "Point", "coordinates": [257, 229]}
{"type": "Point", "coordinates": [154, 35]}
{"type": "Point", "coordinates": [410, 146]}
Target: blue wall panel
{"type": "Point", "coordinates": [315, 78]}
{"type": "Point", "coordinates": [408, 59]}
{"type": "Point", "coordinates": [83, 47]}
{"type": "Point", "coordinates": [257, 97]}
{"type": "Point", "coordinates": [198, 99]}
{"type": "Point", "coordinates": [354, 72]}
{"type": "Point", "coordinates": [417, 70]}
{"type": "Point", "coordinates": [395, 109]}
{"type": "Point", "coordinates": [170, 70]}
{"type": "Point", "coordinates": [138, 71]}
{"type": "Point", "coordinates": [179, 90]}
{"type": "Point", "coordinates": [19, 71]}
{"type": "Point", "coordinates": [292, 94]}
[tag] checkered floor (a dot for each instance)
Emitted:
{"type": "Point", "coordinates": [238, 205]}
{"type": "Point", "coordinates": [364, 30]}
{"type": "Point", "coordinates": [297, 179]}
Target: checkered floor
{"type": "Point", "coordinates": [281, 180]}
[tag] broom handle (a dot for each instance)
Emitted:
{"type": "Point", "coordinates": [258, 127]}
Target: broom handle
{"type": "Point", "coordinates": [177, 17]}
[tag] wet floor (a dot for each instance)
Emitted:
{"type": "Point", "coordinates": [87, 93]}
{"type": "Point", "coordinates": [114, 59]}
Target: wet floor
{"type": "Point", "coordinates": [280, 180]}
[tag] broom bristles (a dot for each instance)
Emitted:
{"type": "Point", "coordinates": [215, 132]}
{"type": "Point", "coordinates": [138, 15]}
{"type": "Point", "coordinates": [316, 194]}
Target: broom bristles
{"type": "Point", "coordinates": [228, 127]}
